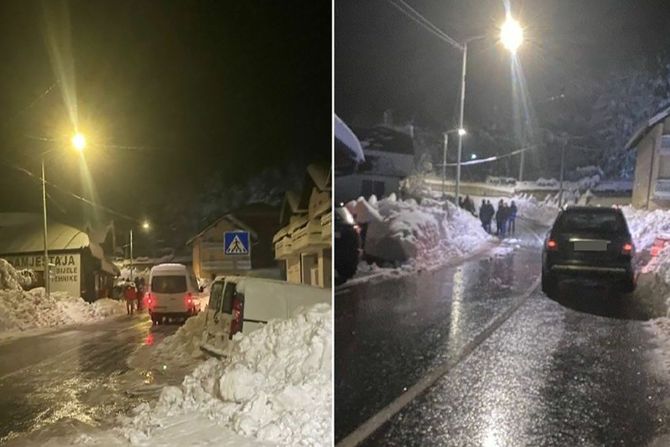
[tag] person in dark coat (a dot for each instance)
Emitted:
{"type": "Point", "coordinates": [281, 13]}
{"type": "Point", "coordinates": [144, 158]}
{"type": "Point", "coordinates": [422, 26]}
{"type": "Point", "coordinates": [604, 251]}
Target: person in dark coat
{"type": "Point", "coordinates": [511, 221]}
{"type": "Point", "coordinates": [490, 212]}
{"type": "Point", "coordinates": [501, 218]}
{"type": "Point", "coordinates": [482, 213]}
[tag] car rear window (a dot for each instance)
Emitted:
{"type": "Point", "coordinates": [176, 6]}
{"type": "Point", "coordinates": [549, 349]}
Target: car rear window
{"type": "Point", "coordinates": [168, 284]}
{"type": "Point", "coordinates": [591, 221]}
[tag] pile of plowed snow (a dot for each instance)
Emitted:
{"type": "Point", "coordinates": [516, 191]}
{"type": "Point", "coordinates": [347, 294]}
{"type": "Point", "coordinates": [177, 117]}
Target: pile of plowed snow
{"type": "Point", "coordinates": [276, 386]}
{"type": "Point", "coordinates": [541, 211]}
{"type": "Point", "coordinates": [646, 225]}
{"type": "Point", "coordinates": [180, 349]}
{"type": "Point", "coordinates": [429, 233]}
{"type": "Point", "coordinates": [21, 310]}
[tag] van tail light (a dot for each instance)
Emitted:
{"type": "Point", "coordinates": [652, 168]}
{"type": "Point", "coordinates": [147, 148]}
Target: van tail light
{"type": "Point", "coordinates": [188, 299]}
{"type": "Point", "coordinates": [238, 317]}
{"type": "Point", "coordinates": [151, 299]}
{"type": "Point", "coordinates": [552, 245]}
{"type": "Point", "coordinates": [627, 248]}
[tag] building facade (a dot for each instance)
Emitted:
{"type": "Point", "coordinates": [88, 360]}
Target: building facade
{"type": "Point", "coordinates": [651, 187]}
{"type": "Point", "coordinates": [389, 158]}
{"type": "Point", "coordinates": [78, 265]}
{"type": "Point", "coordinates": [303, 244]}
{"type": "Point", "coordinates": [258, 219]}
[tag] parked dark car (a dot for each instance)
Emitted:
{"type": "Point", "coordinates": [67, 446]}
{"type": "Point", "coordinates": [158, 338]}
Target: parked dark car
{"type": "Point", "coordinates": [347, 244]}
{"type": "Point", "coordinates": [588, 242]}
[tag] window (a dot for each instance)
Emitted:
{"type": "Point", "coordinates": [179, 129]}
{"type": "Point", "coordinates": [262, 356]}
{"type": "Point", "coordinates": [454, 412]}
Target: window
{"type": "Point", "coordinates": [168, 284]}
{"type": "Point", "coordinates": [589, 221]}
{"type": "Point", "coordinates": [375, 187]}
{"type": "Point", "coordinates": [228, 295]}
{"type": "Point", "coordinates": [215, 295]}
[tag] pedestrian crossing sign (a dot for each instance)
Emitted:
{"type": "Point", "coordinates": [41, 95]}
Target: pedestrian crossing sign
{"type": "Point", "coordinates": [236, 243]}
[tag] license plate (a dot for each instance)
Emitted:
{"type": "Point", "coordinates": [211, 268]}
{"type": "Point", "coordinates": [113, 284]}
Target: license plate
{"type": "Point", "coordinates": [590, 246]}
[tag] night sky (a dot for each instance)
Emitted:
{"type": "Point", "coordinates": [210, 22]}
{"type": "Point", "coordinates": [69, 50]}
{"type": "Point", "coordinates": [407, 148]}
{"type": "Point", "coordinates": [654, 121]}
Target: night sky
{"type": "Point", "coordinates": [386, 61]}
{"type": "Point", "coordinates": [168, 92]}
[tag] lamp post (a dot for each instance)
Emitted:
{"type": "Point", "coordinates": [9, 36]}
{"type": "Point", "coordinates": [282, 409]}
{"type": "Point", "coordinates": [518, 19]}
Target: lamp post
{"type": "Point", "coordinates": [78, 143]}
{"type": "Point", "coordinates": [145, 227]}
{"type": "Point", "coordinates": [461, 132]}
{"type": "Point", "coordinates": [511, 36]}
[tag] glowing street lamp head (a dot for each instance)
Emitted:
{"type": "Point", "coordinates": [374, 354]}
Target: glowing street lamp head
{"type": "Point", "coordinates": [462, 132]}
{"type": "Point", "coordinates": [79, 141]}
{"type": "Point", "coordinates": [145, 225]}
{"type": "Point", "coordinates": [511, 34]}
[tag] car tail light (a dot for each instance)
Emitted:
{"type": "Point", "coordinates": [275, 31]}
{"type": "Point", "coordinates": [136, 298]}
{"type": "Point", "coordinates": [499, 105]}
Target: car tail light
{"type": "Point", "coordinates": [188, 299]}
{"type": "Point", "coordinates": [627, 248]}
{"type": "Point", "coordinates": [552, 245]}
{"type": "Point", "coordinates": [238, 315]}
{"type": "Point", "coordinates": [151, 299]}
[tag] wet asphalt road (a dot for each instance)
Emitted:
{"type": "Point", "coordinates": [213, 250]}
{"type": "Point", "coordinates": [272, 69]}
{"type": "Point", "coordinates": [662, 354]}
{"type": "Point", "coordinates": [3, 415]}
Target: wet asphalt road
{"type": "Point", "coordinates": [569, 373]}
{"type": "Point", "coordinates": [69, 377]}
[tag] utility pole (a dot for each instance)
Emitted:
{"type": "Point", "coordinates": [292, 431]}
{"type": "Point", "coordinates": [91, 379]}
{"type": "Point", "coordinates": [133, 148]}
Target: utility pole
{"type": "Point", "coordinates": [444, 163]}
{"type": "Point", "coordinates": [560, 190]}
{"type": "Point", "coordinates": [131, 255]}
{"type": "Point", "coordinates": [460, 124]}
{"type": "Point", "coordinates": [47, 279]}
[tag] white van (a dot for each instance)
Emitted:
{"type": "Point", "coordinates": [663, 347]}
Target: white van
{"type": "Point", "coordinates": [244, 304]}
{"type": "Point", "coordinates": [172, 292]}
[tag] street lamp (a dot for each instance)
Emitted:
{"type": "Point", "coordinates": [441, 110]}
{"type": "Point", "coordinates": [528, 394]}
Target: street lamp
{"type": "Point", "coordinates": [79, 143]}
{"type": "Point", "coordinates": [145, 226]}
{"type": "Point", "coordinates": [461, 132]}
{"type": "Point", "coordinates": [511, 34]}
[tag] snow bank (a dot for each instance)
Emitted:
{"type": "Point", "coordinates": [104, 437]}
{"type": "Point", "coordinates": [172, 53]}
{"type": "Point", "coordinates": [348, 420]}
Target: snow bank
{"type": "Point", "coordinates": [646, 225]}
{"type": "Point", "coordinates": [541, 211]}
{"type": "Point", "coordinates": [20, 310]}
{"type": "Point", "coordinates": [428, 234]}
{"type": "Point", "coordinates": [180, 349]}
{"type": "Point", "coordinates": [276, 386]}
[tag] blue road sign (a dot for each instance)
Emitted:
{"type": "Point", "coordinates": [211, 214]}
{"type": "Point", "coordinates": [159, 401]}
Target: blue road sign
{"type": "Point", "coordinates": [236, 243]}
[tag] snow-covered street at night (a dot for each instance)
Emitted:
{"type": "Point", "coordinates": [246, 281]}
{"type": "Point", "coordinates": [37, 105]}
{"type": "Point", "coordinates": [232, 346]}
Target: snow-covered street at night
{"type": "Point", "coordinates": [476, 354]}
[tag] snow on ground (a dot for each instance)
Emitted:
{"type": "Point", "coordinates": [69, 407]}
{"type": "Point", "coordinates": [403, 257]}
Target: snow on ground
{"type": "Point", "coordinates": [275, 387]}
{"type": "Point", "coordinates": [181, 349]}
{"type": "Point", "coordinates": [646, 225]}
{"type": "Point", "coordinates": [21, 310]}
{"type": "Point", "coordinates": [541, 211]}
{"type": "Point", "coordinates": [413, 236]}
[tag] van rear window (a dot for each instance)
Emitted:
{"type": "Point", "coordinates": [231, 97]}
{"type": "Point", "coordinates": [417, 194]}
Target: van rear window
{"type": "Point", "coordinates": [168, 284]}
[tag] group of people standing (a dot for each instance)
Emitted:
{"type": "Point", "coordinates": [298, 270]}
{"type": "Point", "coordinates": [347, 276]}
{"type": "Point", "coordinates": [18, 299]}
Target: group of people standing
{"type": "Point", "coordinates": [505, 217]}
{"type": "Point", "coordinates": [134, 292]}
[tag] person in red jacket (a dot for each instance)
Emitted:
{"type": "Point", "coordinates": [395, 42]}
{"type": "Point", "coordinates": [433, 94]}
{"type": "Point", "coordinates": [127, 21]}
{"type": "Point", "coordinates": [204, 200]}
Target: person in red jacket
{"type": "Point", "coordinates": [130, 294]}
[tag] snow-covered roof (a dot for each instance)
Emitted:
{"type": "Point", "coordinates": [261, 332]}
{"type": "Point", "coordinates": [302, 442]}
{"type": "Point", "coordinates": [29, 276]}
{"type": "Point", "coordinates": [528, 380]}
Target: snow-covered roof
{"type": "Point", "coordinates": [349, 141]}
{"type": "Point", "coordinates": [241, 218]}
{"type": "Point", "coordinates": [320, 175]}
{"type": "Point", "coordinates": [646, 127]}
{"type": "Point", "coordinates": [385, 139]}
{"type": "Point", "coordinates": [27, 235]}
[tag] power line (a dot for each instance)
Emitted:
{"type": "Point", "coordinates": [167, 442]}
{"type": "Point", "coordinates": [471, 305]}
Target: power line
{"type": "Point", "coordinates": [71, 194]}
{"type": "Point", "coordinates": [414, 15]}
{"type": "Point", "coordinates": [489, 159]}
